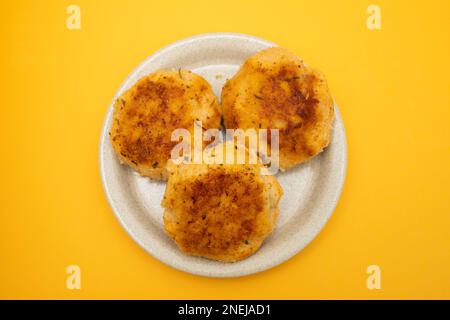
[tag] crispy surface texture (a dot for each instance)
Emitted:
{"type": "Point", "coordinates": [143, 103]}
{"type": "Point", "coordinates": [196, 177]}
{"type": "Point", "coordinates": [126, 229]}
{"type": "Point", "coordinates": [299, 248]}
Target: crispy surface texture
{"type": "Point", "coordinates": [147, 113]}
{"type": "Point", "coordinates": [274, 89]}
{"type": "Point", "coordinates": [220, 211]}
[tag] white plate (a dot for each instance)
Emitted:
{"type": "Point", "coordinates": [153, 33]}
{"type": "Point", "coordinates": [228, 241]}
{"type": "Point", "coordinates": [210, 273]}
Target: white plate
{"type": "Point", "coordinates": [311, 190]}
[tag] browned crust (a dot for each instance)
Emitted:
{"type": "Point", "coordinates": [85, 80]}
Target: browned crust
{"type": "Point", "coordinates": [146, 114]}
{"type": "Point", "coordinates": [221, 212]}
{"type": "Point", "coordinates": [276, 90]}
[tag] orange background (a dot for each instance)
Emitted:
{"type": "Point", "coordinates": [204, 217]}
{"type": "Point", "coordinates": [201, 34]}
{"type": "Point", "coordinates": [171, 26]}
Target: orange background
{"type": "Point", "coordinates": [392, 86]}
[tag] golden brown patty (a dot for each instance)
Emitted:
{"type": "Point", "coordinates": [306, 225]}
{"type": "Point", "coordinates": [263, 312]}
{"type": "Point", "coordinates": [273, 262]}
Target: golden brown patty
{"type": "Point", "coordinates": [146, 115]}
{"type": "Point", "coordinates": [221, 212]}
{"type": "Point", "coordinates": [274, 89]}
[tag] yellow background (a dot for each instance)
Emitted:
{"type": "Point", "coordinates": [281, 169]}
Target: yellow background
{"type": "Point", "coordinates": [392, 87]}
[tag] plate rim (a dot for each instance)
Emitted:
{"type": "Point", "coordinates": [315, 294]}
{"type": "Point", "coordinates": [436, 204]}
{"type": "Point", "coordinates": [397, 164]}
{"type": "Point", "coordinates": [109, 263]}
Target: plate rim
{"type": "Point", "coordinates": [101, 162]}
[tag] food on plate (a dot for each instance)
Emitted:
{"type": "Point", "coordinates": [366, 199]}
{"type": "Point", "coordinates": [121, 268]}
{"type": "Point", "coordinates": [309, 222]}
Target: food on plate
{"type": "Point", "coordinates": [220, 211]}
{"type": "Point", "coordinates": [146, 115]}
{"type": "Point", "coordinates": [274, 89]}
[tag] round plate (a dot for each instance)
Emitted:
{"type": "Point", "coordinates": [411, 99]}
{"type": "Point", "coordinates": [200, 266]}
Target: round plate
{"type": "Point", "coordinates": [311, 190]}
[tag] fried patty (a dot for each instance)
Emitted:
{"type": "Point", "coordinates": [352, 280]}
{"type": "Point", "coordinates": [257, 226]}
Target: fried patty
{"type": "Point", "coordinates": [220, 211]}
{"type": "Point", "coordinates": [147, 113]}
{"type": "Point", "coordinates": [274, 89]}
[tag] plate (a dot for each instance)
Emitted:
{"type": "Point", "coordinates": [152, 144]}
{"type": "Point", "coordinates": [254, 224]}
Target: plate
{"type": "Point", "coordinates": [311, 190]}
